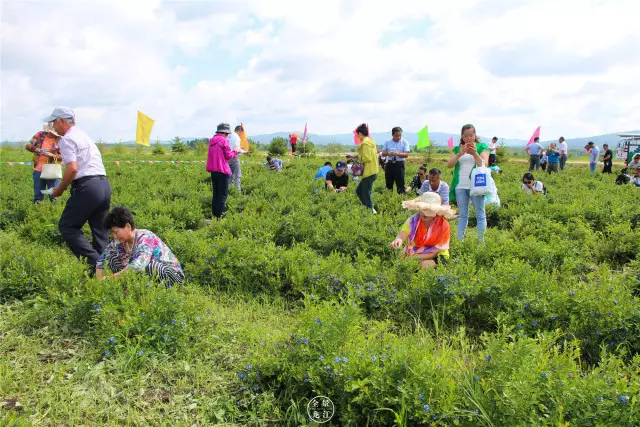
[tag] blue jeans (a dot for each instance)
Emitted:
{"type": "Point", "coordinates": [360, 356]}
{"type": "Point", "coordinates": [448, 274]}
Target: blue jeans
{"type": "Point", "coordinates": [42, 184]}
{"type": "Point", "coordinates": [462, 199]}
{"type": "Point", "coordinates": [592, 167]}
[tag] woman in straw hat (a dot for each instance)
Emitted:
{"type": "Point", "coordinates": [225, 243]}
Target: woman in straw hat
{"type": "Point", "coordinates": [428, 230]}
{"type": "Point", "coordinates": [45, 148]}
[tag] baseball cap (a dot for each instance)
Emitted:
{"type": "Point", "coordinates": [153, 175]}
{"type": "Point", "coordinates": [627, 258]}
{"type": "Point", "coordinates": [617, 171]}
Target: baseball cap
{"type": "Point", "coordinates": [340, 166]}
{"type": "Point", "coordinates": [60, 113]}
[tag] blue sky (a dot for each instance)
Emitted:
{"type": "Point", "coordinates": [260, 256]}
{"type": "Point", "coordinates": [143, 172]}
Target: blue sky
{"type": "Point", "coordinates": [505, 66]}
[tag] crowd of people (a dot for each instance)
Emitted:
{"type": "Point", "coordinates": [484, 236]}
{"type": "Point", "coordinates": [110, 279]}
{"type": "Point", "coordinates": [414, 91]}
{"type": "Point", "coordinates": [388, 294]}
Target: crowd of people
{"type": "Point", "coordinates": [427, 232]}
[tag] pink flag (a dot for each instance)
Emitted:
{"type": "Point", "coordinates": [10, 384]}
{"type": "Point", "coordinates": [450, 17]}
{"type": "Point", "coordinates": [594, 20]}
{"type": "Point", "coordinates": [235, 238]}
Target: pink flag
{"type": "Point", "coordinates": [356, 141]}
{"type": "Point", "coordinates": [11, 164]}
{"type": "Point", "coordinates": [150, 162]}
{"type": "Point", "coordinates": [117, 163]}
{"type": "Point", "coordinates": [536, 134]}
{"type": "Point", "coordinates": [450, 142]}
{"type": "Point", "coordinates": [304, 137]}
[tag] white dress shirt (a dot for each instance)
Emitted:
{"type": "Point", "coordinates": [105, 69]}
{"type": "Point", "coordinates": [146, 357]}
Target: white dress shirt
{"type": "Point", "coordinates": [77, 146]}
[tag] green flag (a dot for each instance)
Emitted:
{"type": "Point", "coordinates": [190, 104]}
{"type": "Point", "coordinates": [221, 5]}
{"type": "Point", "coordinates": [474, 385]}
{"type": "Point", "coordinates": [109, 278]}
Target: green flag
{"type": "Point", "coordinates": [423, 138]}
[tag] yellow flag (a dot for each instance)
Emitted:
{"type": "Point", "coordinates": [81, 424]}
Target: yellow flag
{"type": "Point", "coordinates": [244, 142]}
{"type": "Point", "coordinates": [143, 132]}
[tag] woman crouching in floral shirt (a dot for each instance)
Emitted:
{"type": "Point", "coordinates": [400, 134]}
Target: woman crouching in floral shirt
{"type": "Point", "coordinates": [137, 249]}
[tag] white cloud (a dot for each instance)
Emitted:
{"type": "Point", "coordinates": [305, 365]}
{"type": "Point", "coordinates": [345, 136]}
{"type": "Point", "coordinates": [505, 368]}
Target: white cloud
{"type": "Point", "coordinates": [505, 66]}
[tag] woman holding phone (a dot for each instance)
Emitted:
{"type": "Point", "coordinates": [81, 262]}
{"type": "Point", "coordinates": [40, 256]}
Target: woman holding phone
{"type": "Point", "coordinates": [466, 156]}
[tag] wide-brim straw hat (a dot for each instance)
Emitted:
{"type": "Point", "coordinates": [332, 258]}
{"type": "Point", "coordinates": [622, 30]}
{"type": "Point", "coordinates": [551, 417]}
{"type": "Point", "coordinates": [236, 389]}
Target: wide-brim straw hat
{"type": "Point", "coordinates": [48, 128]}
{"type": "Point", "coordinates": [430, 204]}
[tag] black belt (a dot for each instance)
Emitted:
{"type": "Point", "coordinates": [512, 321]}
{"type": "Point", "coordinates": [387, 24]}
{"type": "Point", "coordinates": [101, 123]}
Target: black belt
{"type": "Point", "coordinates": [87, 178]}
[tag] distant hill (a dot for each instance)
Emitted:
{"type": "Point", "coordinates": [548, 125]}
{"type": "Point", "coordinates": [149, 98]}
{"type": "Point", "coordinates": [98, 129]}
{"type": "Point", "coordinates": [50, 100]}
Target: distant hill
{"type": "Point", "coordinates": [437, 138]}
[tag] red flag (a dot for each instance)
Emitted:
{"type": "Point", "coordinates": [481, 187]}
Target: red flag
{"type": "Point", "coordinates": [304, 137]}
{"type": "Point", "coordinates": [450, 142]}
{"type": "Point", "coordinates": [536, 134]}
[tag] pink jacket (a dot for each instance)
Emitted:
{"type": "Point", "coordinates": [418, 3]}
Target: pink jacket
{"type": "Point", "coordinates": [219, 155]}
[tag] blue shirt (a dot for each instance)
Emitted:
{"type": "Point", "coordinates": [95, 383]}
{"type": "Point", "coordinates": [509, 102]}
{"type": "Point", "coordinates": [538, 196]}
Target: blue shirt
{"type": "Point", "coordinates": [322, 172]}
{"type": "Point", "coordinates": [401, 146]}
{"type": "Point", "coordinates": [595, 153]}
{"type": "Point", "coordinates": [442, 190]}
{"type": "Point", "coordinates": [535, 149]}
{"type": "Point", "coordinates": [554, 157]}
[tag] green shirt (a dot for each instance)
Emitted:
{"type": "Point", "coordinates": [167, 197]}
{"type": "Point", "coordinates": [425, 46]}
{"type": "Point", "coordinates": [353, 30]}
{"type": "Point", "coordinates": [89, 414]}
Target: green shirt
{"type": "Point", "coordinates": [480, 147]}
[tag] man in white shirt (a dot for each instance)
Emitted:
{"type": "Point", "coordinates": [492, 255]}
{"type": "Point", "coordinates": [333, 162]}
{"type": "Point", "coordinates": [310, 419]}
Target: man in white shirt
{"type": "Point", "coordinates": [90, 191]}
{"type": "Point", "coordinates": [564, 149]}
{"type": "Point", "coordinates": [493, 147]}
{"type": "Point", "coordinates": [396, 150]}
{"type": "Point", "coordinates": [234, 163]}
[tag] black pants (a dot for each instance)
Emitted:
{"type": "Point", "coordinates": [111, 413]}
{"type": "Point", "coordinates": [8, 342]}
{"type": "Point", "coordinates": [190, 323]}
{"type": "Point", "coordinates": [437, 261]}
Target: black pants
{"type": "Point", "coordinates": [492, 159]}
{"type": "Point", "coordinates": [220, 188]}
{"type": "Point", "coordinates": [534, 162]}
{"type": "Point", "coordinates": [90, 201]}
{"type": "Point", "coordinates": [293, 148]}
{"type": "Point", "coordinates": [543, 166]}
{"type": "Point", "coordinates": [608, 164]}
{"type": "Point", "coordinates": [364, 190]}
{"type": "Point", "coordinates": [394, 172]}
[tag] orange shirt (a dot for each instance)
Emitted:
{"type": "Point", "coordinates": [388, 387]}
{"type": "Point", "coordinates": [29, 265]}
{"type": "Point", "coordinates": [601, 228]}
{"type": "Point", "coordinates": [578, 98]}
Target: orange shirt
{"type": "Point", "coordinates": [47, 144]}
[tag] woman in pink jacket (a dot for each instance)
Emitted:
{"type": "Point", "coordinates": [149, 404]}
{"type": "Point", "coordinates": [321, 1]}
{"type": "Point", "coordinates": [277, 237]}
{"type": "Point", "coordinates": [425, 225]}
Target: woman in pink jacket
{"type": "Point", "coordinates": [217, 164]}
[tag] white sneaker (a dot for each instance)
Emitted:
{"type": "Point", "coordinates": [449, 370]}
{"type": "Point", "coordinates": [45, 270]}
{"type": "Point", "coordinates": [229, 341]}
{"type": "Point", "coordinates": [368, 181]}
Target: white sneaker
{"type": "Point", "coordinates": [374, 211]}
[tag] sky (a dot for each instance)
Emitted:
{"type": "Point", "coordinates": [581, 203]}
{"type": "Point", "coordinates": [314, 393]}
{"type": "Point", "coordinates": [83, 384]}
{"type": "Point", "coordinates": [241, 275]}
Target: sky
{"type": "Point", "coordinates": [506, 66]}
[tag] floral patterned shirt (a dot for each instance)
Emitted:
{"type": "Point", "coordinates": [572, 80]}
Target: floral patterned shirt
{"type": "Point", "coordinates": [36, 143]}
{"type": "Point", "coordinates": [146, 246]}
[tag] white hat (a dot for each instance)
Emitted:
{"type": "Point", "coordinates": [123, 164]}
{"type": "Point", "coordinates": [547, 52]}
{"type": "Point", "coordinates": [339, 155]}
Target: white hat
{"type": "Point", "coordinates": [430, 204]}
{"type": "Point", "coordinates": [60, 113]}
{"type": "Point", "coordinates": [48, 128]}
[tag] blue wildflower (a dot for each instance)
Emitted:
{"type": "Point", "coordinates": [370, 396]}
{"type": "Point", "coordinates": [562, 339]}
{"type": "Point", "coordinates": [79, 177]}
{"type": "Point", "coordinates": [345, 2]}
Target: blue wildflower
{"type": "Point", "coordinates": [242, 375]}
{"type": "Point", "coordinates": [600, 399]}
{"type": "Point", "coordinates": [305, 341]}
{"type": "Point", "coordinates": [306, 378]}
{"type": "Point", "coordinates": [623, 399]}
{"type": "Point", "coordinates": [318, 321]}
{"type": "Point", "coordinates": [336, 359]}
{"type": "Point", "coordinates": [373, 358]}
{"type": "Point", "coordinates": [255, 388]}
{"type": "Point", "coordinates": [112, 340]}
{"type": "Point", "coordinates": [476, 412]}
{"type": "Point", "coordinates": [183, 324]}
{"type": "Point", "coordinates": [570, 375]}
{"type": "Point", "coordinates": [572, 294]}
{"type": "Point", "coordinates": [248, 368]}
{"type": "Point", "coordinates": [348, 378]}
{"type": "Point", "coordinates": [140, 352]}
{"type": "Point", "coordinates": [174, 321]}
{"type": "Point", "coordinates": [519, 325]}
{"type": "Point", "coordinates": [535, 324]}
{"type": "Point", "coordinates": [476, 378]}
{"type": "Point", "coordinates": [197, 318]}
{"type": "Point", "coordinates": [344, 360]}
{"type": "Point", "coordinates": [451, 292]}
{"type": "Point", "coordinates": [545, 375]}
{"type": "Point", "coordinates": [107, 353]}
{"type": "Point", "coordinates": [615, 302]}
{"type": "Point", "coordinates": [488, 358]}
{"type": "Point", "coordinates": [321, 357]}
{"type": "Point", "coordinates": [426, 408]}
{"type": "Point", "coordinates": [421, 397]}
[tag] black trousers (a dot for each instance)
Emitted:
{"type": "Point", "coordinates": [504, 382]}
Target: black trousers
{"type": "Point", "coordinates": [492, 159]}
{"type": "Point", "coordinates": [608, 164]}
{"type": "Point", "coordinates": [293, 148]}
{"type": "Point", "coordinates": [90, 201]}
{"type": "Point", "coordinates": [220, 188]}
{"type": "Point", "coordinates": [394, 172]}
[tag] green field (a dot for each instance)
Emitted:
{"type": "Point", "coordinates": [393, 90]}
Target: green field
{"type": "Point", "coordinates": [295, 295]}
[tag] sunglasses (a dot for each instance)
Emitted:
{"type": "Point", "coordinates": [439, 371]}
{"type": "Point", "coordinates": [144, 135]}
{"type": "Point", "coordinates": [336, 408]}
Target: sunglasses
{"type": "Point", "coordinates": [527, 182]}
